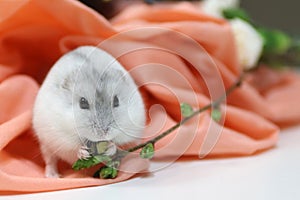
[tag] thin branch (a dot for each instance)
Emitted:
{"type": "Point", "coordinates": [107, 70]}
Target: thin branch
{"type": "Point", "coordinates": [214, 104]}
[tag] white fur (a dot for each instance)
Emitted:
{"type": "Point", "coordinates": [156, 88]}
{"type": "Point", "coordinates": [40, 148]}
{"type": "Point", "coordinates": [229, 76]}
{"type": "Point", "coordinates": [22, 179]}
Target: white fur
{"type": "Point", "coordinates": [63, 128]}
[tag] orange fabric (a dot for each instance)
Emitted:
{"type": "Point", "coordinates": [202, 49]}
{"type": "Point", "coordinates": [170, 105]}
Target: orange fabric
{"type": "Point", "coordinates": [167, 45]}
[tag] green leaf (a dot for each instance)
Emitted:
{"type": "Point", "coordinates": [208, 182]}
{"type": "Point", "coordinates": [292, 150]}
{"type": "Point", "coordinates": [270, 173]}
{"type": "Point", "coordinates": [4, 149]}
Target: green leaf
{"type": "Point", "coordinates": [147, 151]}
{"type": "Point", "coordinates": [216, 114]}
{"type": "Point", "coordinates": [84, 163]}
{"type": "Point", "coordinates": [231, 13]}
{"type": "Point", "coordinates": [108, 172]}
{"type": "Point", "coordinates": [114, 173]}
{"type": "Point", "coordinates": [275, 42]}
{"type": "Point", "coordinates": [102, 158]}
{"type": "Point", "coordinates": [186, 109]}
{"type": "Point", "coordinates": [91, 161]}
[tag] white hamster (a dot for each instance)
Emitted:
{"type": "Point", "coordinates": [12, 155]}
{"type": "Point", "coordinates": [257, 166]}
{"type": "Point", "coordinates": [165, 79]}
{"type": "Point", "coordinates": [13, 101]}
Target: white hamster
{"type": "Point", "coordinates": [86, 97]}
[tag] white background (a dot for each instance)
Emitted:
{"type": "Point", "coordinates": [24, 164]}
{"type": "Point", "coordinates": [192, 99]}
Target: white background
{"type": "Point", "coordinates": [274, 174]}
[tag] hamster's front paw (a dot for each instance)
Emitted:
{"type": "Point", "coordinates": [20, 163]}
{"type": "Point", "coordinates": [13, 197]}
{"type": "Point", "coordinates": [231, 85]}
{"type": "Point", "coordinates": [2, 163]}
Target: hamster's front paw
{"type": "Point", "coordinates": [111, 149]}
{"type": "Point", "coordinates": [83, 153]}
{"type": "Point", "coordinates": [102, 148]}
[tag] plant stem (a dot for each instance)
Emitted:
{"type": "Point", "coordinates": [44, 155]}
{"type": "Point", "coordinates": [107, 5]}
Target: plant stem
{"type": "Point", "coordinates": [214, 104]}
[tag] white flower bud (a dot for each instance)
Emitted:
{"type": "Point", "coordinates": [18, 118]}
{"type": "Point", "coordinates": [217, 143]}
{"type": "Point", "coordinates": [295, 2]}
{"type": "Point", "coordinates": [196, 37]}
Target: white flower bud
{"type": "Point", "coordinates": [249, 43]}
{"type": "Point", "coordinates": [216, 7]}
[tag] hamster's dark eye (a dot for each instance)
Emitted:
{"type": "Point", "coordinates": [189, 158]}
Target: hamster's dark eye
{"type": "Point", "coordinates": [83, 103]}
{"type": "Point", "coordinates": [116, 102]}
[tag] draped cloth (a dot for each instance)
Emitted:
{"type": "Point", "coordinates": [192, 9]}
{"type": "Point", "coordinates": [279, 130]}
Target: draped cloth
{"type": "Point", "coordinates": [174, 52]}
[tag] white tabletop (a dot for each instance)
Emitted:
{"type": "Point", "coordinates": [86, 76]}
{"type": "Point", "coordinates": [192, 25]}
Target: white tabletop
{"type": "Point", "coordinates": [274, 174]}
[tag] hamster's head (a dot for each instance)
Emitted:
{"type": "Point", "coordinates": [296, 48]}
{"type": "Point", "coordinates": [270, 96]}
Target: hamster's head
{"type": "Point", "coordinates": [105, 101]}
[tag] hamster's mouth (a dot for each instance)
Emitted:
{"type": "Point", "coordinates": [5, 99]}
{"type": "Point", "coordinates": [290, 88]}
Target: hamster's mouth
{"type": "Point", "coordinates": [98, 138]}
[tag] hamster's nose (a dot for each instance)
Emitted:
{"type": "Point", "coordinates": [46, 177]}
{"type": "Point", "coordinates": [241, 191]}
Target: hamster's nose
{"type": "Point", "coordinates": [105, 130]}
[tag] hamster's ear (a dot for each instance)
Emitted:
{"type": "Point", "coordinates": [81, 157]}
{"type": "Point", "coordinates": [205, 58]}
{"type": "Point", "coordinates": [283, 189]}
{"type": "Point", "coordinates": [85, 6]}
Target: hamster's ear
{"type": "Point", "coordinates": [124, 75]}
{"type": "Point", "coordinates": [66, 84]}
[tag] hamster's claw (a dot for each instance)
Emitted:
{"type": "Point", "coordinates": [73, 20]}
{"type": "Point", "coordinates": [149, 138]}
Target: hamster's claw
{"type": "Point", "coordinates": [83, 153]}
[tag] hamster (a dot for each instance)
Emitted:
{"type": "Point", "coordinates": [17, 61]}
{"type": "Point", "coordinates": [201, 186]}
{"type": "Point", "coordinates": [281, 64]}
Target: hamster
{"type": "Point", "coordinates": [87, 96]}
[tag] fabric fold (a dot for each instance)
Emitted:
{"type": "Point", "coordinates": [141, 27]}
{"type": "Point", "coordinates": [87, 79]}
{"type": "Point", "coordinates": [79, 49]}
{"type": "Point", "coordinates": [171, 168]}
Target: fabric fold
{"type": "Point", "coordinates": [175, 53]}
